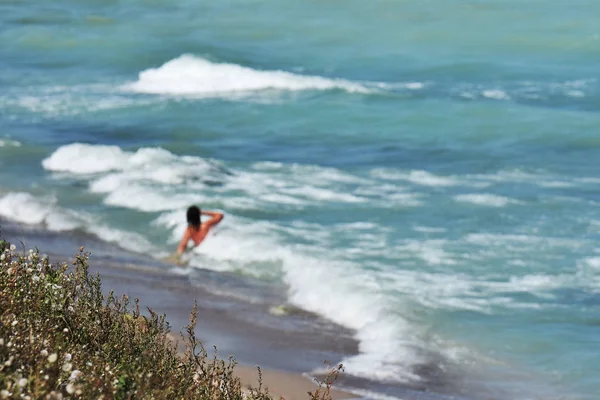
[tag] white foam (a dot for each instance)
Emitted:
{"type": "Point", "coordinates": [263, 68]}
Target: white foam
{"type": "Point", "coordinates": [55, 100]}
{"type": "Point", "coordinates": [524, 241]}
{"type": "Point", "coordinates": [575, 93]}
{"type": "Point", "coordinates": [401, 85]}
{"type": "Point", "coordinates": [537, 178]}
{"type": "Point", "coordinates": [321, 194]}
{"type": "Point", "coordinates": [388, 345]}
{"type": "Point", "coordinates": [153, 179]}
{"type": "Point", "coordinates": [533, 283]}
{"type": "Point", "coordinates": [429, 229]}
{"type": "Point", "coordinates": [483, 294]}
{"type": "Point", "coordinates": [131, 240]}
{"type": "Point", "coordinates": [147, 199]}
{"type": "Point", "coordinates": [190, 75]}
{"type": "Point", "coordinates": [430, 251]}
{"type": "Point", "coordinates": [415, 85]}
{"type": "Point", "coordinates": [140, 180]}
{"type": "Point", "coordinates": [418, 177]}
{"type": "Point", "coordinates": [495, 94]}
{"type": "Point", "coordinates": [593, 262]}
{"type": "Point", "coordinates": [9, 143]}
{"type": "Point", "coordinates": [44, 210]}
{"type": "Point", "coordinates": [79, 158]}
{"type": "Point", "coordinates": [485, 199]}
{"type": "Point", "coordinates": [25, 208]}
{"type": "Point", "coordinates": [156, 164]}
{"type": "Point", "coordinates": [588, 273]}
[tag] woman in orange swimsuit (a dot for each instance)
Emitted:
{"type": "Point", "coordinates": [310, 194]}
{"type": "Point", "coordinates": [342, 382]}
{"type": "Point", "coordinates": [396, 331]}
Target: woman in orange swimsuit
{"type": "Point", "coordinates": [196, 229]}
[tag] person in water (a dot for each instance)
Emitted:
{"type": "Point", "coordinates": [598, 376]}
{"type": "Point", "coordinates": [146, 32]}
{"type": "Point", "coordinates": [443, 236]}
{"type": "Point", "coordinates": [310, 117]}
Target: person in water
{"type": "Point", "coordinates": [196, 229]}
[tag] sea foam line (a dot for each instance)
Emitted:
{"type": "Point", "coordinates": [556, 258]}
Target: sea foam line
{"type": "Point", "coordinates": [30, 209]}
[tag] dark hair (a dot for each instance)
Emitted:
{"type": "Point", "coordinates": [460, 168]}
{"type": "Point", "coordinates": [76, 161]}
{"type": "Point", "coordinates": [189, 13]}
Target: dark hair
{"type": "Point", "coordinates": [193, 217]}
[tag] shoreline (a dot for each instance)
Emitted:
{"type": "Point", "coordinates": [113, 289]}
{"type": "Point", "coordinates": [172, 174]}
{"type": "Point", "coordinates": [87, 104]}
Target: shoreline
{"type": "Point", "coordinates": [292, 346]}
{"type": "Point", "coordinates": [222, 322]}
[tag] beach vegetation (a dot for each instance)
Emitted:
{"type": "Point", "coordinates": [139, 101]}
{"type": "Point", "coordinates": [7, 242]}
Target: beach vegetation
{"type": "Point", "coordinates": [60, 337]}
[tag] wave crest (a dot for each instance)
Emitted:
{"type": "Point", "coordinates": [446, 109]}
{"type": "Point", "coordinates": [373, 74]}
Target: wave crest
{"type": "Point", "coordinates": [189, 75]}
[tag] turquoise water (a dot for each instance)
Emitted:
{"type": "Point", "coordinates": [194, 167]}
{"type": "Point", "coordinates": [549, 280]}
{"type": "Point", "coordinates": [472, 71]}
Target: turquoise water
{"type": "Point", "coordinates": [423, 172]}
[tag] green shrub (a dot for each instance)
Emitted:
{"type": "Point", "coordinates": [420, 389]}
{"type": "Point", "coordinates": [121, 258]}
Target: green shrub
{"type": "Point", "coordinates": [60, 338]}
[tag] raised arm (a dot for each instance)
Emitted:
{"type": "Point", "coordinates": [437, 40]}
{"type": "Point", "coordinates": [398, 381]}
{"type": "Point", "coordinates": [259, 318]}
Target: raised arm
{"type": "Point", "coordinates": [215, 217]}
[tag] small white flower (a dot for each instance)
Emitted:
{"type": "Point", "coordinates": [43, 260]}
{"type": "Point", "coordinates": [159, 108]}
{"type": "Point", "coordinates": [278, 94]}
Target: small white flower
{"type": "Point", "coordinates": [52, 358]}
{"type": "Point", "coordinates": [89, 364]}
{"type": "Point", "coordinates": [22, 382]}
{"type": "Point", "coordinates": [15, 322]}
{"type": "Point", "coordinates": [68, 357]}
{"type": "Point", "coordinates": [13, 247]}
{"type": "Point", "coordinates": [30, 251]}
{"type": "Point", "coordinates": [70, 388]}
{"type": "Point", "coordinates": [9, 271]}
{"type": "Point", "coordinates": [46, 377]}
{"type": "Point", "coordinates": [44, 353]}
{"type": "Point", "coordinates": [66, 330]}
{"type": "Point", "coordinates": [70, 308]}
{"type": "Point", "coordinates": [67, 367]}
{"type": "Point", "coordinates": [2, 257]}
{"type": "Point", "coordinates": [5, 394]}
{"type": "Point", "coordinates": [35, 278]}
{"type": "Point", "coordinates": [44, 256]}
{"type": "Point", "coordinates": [29, 270]}
{"type": "Point", "coordinates": [74, 375]}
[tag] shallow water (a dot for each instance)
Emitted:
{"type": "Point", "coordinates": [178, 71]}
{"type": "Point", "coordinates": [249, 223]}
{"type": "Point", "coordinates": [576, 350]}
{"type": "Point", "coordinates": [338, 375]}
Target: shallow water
{"type": "Point", "coordinates": [422, 173]}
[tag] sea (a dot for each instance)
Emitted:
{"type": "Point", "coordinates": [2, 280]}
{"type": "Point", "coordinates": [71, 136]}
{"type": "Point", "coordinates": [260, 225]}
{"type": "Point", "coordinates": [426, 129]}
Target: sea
{"type": "Point", "coordinates": [425, 173]}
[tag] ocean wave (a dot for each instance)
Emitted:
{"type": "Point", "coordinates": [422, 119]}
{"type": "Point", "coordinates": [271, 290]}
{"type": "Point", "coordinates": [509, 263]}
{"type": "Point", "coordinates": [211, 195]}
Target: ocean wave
{"type": "Point", "coordinates": [189, 75]}
{"type": "Point", "coordinates": [389, 344]}
{"type": "Point", "coordinates": [154, 179]}
{"type": "Point", "coordinates": [30, 209]}
{"type": "Point", "coordinates": [154, 164]}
